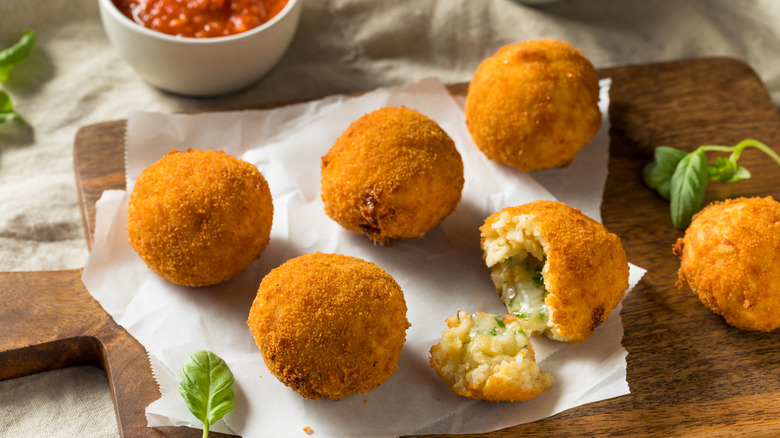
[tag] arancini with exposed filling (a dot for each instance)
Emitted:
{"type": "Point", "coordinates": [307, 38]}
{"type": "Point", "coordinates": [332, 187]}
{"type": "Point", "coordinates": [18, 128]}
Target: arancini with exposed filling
{"type": "Point", "coordinates": [560, 272]}
{"type": "Point", "coordinates": [488, 356]}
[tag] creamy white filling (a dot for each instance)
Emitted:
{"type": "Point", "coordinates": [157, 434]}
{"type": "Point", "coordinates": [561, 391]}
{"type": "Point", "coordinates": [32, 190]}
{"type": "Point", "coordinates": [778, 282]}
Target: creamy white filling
{"type": "Point", "coordinates": [487, 354]}
{"type": "Point", "coordinates": [515, 254]}
{"type": "Point", "coordinates": [490, 327]}
{"type": "Point", "coordinates": [522, 291]}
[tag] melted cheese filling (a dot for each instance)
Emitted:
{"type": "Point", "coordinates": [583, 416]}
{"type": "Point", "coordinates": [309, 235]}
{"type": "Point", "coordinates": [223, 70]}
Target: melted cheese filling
{"type": "Point", "coordinates": [522, 291]}
{"type": "Point", "coordinates": [494, 336]}
{"type": "Point", "coordinates": [516, 258]}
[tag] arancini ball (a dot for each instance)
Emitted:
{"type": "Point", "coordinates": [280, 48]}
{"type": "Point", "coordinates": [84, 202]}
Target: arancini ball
{"type": "Point", "coordinates": [533, 104]}
{"type": "Point", "coordinates": [392, 174]}
{"type": "Point", "coordinates": [730, 258]}
{"type": "Point", "coordinates": [329, 325]}
{"type": "Point", "coordinates": [560, 272]}
{"type": "Point", "coordinates": [488, 356]}
{"type": "Point", "coordinates": [200, 217]}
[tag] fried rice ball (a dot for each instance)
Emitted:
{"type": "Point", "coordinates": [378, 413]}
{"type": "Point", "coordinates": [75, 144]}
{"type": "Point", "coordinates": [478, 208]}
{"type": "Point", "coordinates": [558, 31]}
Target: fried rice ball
{"type": "Point", "coordinates": [393, 174]}
{"type": "Point", "coordinates": [329, 325]}
{"type": "Point", "coordinates": [488, 356]}
{"type": "Point", "coordinates": [198, 218]}
{"type": "Point", "coordinates": [730, 257]}
{"type": "Point", "coordinates": [533, 104]}
{"type": "Point", "coordinates": [560, 272]}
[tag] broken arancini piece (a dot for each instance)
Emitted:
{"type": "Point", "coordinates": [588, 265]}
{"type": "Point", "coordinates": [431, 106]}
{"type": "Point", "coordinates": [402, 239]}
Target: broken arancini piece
{"type": "Point", "coordinates": [329, 325]}
{"type": "Point", "coordinates": [560, 272]}
{"type": "Point", "coordinates": [200, 217]}
{"type": "Point", "coordinates": [488, 356]}
{"type": "Point", "coordinates": [393, 174]}
{"type": "Point", "coordinates": [533, 104]}
{"type": "Point", "coordinates": [730, 258]}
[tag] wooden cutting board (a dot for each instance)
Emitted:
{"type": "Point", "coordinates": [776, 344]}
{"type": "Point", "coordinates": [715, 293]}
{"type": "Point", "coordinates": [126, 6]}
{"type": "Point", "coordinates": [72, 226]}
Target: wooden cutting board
{"type": "Point", "coordinates": [689, 372]}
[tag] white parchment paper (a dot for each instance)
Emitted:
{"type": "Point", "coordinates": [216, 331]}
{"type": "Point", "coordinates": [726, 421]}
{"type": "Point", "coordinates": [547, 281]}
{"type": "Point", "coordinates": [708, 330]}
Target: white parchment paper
{"type": "Point", "coordinates": [439, 274]}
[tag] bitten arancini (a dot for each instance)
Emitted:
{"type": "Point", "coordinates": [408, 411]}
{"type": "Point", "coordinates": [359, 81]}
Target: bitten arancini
{"type": "Point", "coordinates": [533, 104]}
{"type": "Point", "coordinates": [730, 258]}
{"type": "Point", "coordinates": [488, 357]}
{"type": "Point", "coordinates": [329, 325]}
{"type": "Point", "coordinates": [560, 272]}
{"type": "Point", "coordinates": [393, 174]}
{"type": "Point", "coordinates": [198, 218]}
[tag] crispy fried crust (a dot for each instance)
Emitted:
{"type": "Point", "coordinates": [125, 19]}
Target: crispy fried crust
{"type": "Point", "coordinates": [586, 269]}
{"type": "Point", "coordinates": [198, 218]}
{"type": "Point", "coordinates": [393, 174]}
{"type": "Point", "coordinates": [533, 104]}
{"type": "Point", "coordinates": [329, 325]}
{"type": "Point", "coordinates": [730, 257]}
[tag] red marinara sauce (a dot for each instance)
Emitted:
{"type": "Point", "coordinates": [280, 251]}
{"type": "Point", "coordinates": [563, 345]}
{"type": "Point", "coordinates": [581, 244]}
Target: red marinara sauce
{"type": "Point", "coordinates": [200, 18]}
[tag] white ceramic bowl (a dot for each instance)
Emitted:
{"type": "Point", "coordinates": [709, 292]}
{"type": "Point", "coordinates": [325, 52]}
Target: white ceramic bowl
{"type": "Point", "coordinates": [201, 66]}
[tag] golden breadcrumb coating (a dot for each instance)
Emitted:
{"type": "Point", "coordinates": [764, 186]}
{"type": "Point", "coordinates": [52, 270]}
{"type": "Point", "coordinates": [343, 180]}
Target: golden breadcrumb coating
{"type": "Point", "coordinates": [393, 174]}
{"type": "Point", "coordinates": [533, 104]}
{"type": "Point", "coordinates": [730, 257]}
{"type": "Point", "coordinates": [329, 325]}
{"type": "Point", "coordinates": [488, 356]}
{"type": "Point", "coordinates": [560, 272]}
{"type": "Point", "coordinates": [198, 218]}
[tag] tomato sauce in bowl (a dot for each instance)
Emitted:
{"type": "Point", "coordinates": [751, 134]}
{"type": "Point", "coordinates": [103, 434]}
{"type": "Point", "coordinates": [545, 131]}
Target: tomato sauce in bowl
{"type": "Point", "coordinates": [200, 18]}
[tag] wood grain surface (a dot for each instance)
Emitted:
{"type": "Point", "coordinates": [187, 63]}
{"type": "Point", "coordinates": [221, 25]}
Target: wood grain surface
{"type": "Point", "coordinates": [689, 373]}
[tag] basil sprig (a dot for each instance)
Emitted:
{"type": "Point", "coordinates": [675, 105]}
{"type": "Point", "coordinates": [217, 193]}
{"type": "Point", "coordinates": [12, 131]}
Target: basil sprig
{"type": "Point", "coordinates": [658, 174]}
{"type": "Point", "coordinates": [17, 53]}
{"type": "Point", "coordinates": [206, 384]}
{"type": "Point", "coordinates": [9, 58]}
{"type": "Point", "coordinates": [681, 178]}
{"type": "Point", "coordinates": [7, 112]}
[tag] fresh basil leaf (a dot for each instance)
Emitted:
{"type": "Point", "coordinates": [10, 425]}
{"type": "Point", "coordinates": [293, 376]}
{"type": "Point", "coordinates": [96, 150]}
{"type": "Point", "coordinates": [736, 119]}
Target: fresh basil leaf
{"type": "Point", "coordinates": [740, 174]}
{"type": "Point", "coordinates": [16, 53]}
{"type": "Point", "coordinates": [688, 185]}
{"type": "Point", "coordinates": [722, 169]}
{"type": "Point", "coordinates": [206, 384]}
{"type": "Point", "coordinates": [727, 170]}
{"type": "Point", "coordinates": [658, 174]}
{"type": "Point", "coordinates": [7, 112]}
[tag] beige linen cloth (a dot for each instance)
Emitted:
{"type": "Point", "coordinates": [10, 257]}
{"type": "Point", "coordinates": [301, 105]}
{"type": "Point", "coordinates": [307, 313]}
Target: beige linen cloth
{"type": "Point", "coordinates": [75, 78]}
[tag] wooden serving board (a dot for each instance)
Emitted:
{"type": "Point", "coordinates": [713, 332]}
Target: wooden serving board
{"type": "Point", "coordinates": [689, 372]}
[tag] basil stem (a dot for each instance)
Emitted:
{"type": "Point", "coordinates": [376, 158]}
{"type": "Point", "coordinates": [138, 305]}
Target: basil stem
{"type": "Point", "coordinates": [736, 151]}
{"type": "Point", "coordinates": [206, 384]}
